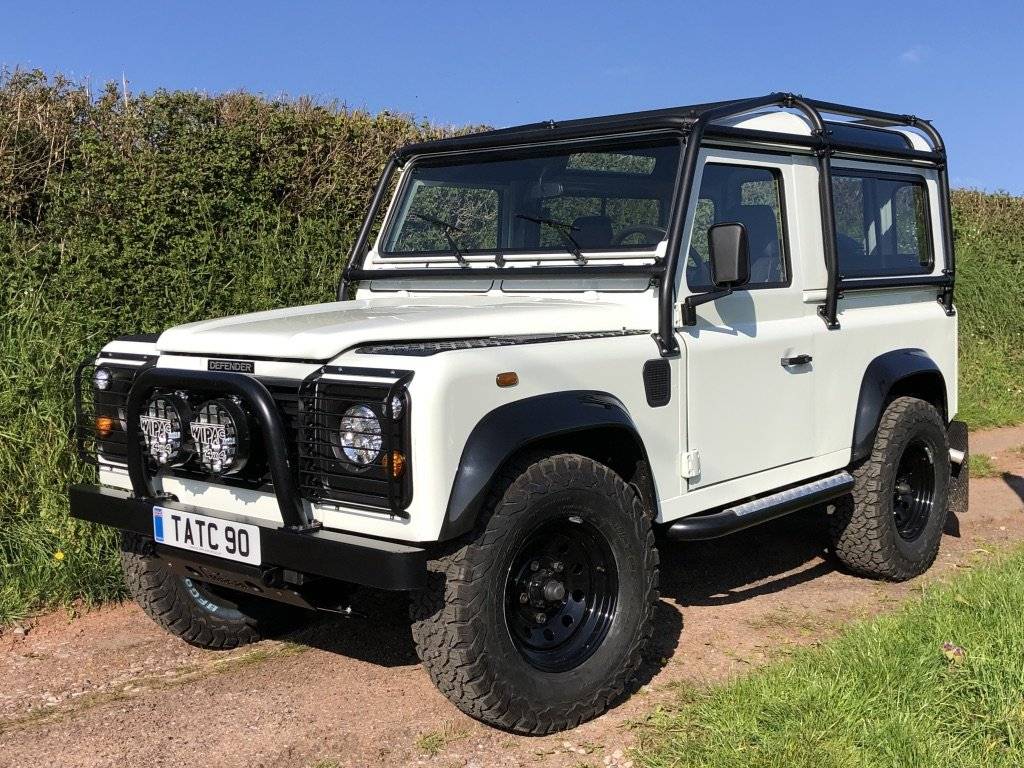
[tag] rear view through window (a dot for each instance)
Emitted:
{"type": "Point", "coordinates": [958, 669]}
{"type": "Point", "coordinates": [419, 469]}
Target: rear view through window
{"type": "Point", "coordinates": [882, 224]}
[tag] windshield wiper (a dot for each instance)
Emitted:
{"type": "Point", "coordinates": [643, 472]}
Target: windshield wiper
{"type": "Point", "coordinates": [446, 228]}
{"type": "Point", "coordinates": [564, 231]}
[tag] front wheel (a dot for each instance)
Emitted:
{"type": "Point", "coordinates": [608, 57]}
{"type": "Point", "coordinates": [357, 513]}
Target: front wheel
{"type": "Point", "coordinates": [201, 614]}
{"type": "Point", "coordinates": [538, 622]}
{"type": "Point", "coordinates": [891, 525]}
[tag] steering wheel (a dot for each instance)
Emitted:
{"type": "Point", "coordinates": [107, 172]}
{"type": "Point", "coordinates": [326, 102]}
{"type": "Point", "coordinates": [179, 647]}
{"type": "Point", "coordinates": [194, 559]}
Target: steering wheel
{"type": "Point", "coordinates": [655, 234]}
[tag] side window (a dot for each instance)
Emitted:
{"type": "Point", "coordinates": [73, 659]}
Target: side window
{"type": "Point", "coordinates": [882, 224]}
{"type": "Point", "coordinates": [749, 196]}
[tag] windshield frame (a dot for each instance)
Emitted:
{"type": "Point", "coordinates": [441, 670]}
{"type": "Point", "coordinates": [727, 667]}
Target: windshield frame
{"type": "Point", "coordinates": [625, 254]}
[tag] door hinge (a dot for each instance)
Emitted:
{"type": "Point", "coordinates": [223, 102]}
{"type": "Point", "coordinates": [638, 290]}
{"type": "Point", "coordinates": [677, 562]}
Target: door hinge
{"type": "Point", "coordinates": [689, 465]}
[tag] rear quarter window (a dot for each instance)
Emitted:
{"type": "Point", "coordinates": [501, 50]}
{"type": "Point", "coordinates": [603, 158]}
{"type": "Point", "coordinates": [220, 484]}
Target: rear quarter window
{"type": "Point", "coordinates": [883, 228]}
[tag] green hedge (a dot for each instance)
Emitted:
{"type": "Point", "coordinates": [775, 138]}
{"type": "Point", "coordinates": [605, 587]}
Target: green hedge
{"type": "Point", "coordinates": [123, 215]}
{"type": "Point", "coordinates": [127, 213]}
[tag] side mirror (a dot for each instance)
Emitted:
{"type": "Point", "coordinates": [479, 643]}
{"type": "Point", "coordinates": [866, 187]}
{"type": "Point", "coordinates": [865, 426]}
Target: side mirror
{"type": "Point", "coordinates": [730, 255]}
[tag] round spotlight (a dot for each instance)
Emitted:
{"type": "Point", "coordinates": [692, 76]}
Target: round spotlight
{"type": "Point", "coordinates": [164, 423]}
{"type": "Point", "coordinates": [360, 435]}
{"type": "Point", "coordinates": [101, 378]}
{"type": "Point", "coordinates": [220, 433]}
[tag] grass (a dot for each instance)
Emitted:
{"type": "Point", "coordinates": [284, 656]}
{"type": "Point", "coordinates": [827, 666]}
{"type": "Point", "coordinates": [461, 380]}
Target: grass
{"type": "Point", "coordinates": [886, 692]}
{"type": "Point", "coordinates": [982, 466]}
{"type": "Point", "coordinates": [433, 743]}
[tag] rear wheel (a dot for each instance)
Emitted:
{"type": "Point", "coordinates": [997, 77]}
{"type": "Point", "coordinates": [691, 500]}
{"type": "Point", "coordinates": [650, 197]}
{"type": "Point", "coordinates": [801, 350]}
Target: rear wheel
{"type": "Point", "coordinates": [891, 525]}
{"type": "Point", "coordinates": [538, 621]}
{"type": "Point", "coordinates": [201, 614]}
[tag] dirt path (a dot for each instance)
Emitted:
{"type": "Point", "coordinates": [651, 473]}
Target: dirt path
{"type": "Point", "coordinates": [110, 689]}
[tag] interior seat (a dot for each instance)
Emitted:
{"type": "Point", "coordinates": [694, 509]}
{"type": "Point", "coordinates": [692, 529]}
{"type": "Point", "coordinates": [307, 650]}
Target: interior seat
{"type": "Point", "coordinates": [593, 231]}
{"type": "Point", "coordinates": [762, 239]}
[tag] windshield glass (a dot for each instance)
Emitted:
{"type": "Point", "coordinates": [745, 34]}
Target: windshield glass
{"type": "Point", "coordinates": [566, 200]}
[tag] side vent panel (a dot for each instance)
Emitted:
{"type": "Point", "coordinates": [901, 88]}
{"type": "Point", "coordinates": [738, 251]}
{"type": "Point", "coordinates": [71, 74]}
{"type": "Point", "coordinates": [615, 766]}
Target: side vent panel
{"type": "Point", "coordinates": [657, 382]}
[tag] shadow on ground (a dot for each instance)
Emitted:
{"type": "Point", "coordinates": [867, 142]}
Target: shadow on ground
{"type": "Point", "coordinates": [1015, 483]}
{"type": "Point", "coordinates": [759, 561]}
{"type": "Point", "coordinates": [763, 560]}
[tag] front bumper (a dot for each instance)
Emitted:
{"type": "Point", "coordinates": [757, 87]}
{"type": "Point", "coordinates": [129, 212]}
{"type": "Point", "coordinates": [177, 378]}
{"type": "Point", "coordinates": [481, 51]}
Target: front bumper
{"type": "Point", "coordinates": [345, 557]}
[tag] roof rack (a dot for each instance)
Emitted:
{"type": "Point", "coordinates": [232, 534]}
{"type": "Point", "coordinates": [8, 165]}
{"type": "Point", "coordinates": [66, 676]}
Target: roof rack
{"type": "Point", "coordinates": [695, 123]}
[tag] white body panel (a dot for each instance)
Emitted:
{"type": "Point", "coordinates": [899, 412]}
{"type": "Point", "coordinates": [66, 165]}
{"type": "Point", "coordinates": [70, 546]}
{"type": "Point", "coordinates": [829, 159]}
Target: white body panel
{"type": "Point", "coordinates": [755, 425]}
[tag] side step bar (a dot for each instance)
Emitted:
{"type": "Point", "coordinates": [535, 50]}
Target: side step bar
{"type": "Point", "coordinates": [751, 513]}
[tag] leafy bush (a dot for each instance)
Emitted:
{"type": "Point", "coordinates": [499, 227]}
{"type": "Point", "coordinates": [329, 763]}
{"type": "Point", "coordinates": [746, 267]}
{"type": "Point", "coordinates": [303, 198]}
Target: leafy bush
{"type": "Point", "coordinates": [990, 298]}
{"type": "Point", "coordinates": [123, 214]}
{"type": "Point", "coordinates": [128, 214]}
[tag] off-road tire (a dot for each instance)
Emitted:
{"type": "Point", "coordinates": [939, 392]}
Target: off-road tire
{"type": "Point", "coordinates": [193, 612]}
{"type": "Point", "coordinates": [459, 621]}
{"type": "Point", "coordinates": [865, 532]}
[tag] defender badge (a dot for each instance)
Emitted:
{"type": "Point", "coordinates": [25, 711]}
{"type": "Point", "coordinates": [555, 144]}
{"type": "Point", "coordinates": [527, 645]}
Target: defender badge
{"type": "Point", "coordinates": [231, 366]}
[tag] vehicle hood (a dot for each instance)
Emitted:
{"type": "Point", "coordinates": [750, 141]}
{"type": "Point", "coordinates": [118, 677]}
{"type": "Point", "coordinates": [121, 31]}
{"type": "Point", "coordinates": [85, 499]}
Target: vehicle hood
{"type": "Point", "coordinates": [322, 331]}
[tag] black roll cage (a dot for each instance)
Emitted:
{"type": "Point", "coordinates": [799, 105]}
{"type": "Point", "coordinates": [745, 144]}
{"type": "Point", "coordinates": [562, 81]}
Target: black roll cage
{"type": "Point", "coordinates": [693, 125]}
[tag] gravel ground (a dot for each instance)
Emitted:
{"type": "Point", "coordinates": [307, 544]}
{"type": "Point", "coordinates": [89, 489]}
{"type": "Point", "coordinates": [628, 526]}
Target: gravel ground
{"type": "Point", "coordinates": [108, 688]}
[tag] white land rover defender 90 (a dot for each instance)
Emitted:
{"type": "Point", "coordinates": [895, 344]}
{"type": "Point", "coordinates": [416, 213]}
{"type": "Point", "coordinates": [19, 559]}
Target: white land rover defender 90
{"type": "Point", "coordinates": [557, 341]}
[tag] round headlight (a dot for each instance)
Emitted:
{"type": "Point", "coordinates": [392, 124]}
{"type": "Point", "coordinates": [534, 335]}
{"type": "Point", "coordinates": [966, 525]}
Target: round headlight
{"type": "Point", "coordinates": [101, 378]}
{"type": "Point", "coordinates": [164, 422]}
{"type": "Point", "coordinates": [220, 433]}
{"type": "Point", "coordinates": [360, 435]}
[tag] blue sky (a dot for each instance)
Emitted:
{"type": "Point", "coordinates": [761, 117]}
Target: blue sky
{"type": "Point", "coordinates": [503, 64]}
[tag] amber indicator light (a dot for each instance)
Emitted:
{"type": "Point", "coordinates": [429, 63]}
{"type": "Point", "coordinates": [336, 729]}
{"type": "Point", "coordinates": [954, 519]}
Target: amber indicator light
{"type": "Point", "coordinates": [396, 464]}
{"type": "Point", "coordinates": [507, 379]}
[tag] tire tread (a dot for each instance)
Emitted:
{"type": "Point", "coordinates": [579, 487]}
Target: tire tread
{"type": "Point", "coordinates": [454, 653]}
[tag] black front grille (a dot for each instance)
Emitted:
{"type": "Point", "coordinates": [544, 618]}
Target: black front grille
{"type": "Point", "coordinates": [326, 473]}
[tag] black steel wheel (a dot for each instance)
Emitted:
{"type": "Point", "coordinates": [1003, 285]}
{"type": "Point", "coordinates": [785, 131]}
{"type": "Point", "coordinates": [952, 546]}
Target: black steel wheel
{"type": "Point", "coordinates": [913, 496]}
{"type": "Point", "coordinates": [561, 594]}
{"type": "Point", "coordinates": [891, 526]}
{"type": "Point", "coordinates": [536, 622]}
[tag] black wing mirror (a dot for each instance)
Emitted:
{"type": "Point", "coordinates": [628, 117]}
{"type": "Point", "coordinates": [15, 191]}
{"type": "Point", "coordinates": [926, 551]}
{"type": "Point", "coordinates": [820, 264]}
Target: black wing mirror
{"type": "Point", "coordinates": [730, 255]}
{"type": "Point", "coordinates": [730, 266]}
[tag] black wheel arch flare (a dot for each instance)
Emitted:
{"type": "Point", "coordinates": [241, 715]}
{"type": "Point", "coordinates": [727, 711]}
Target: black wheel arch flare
{"type": "Point", "coordinates": [894, 373]}
{"type": "Point", "coordinates": [515, 426]}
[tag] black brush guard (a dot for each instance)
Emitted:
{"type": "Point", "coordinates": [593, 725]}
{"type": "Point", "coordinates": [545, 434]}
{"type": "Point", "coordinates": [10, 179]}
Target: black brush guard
{"type": "Point", "coordinates": [294, 513]}
{"type": "Point", "coordinates": [300, 546]}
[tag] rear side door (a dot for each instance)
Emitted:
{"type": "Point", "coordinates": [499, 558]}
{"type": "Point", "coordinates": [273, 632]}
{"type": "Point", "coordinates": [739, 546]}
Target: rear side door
{"type": "Point", "coordinates": [750, 366]}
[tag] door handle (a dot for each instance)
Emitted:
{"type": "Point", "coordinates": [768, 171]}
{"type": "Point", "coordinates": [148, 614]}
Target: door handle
{"type": "Point", "coordinates": [788, 362]}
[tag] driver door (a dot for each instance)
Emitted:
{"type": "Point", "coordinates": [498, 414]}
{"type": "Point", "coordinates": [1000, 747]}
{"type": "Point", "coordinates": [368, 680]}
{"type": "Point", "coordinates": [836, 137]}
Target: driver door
{"type": "Point", "coordinates": [750, 398]}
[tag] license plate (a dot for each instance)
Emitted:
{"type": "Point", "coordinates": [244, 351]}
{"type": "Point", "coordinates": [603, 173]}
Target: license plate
{"type": "Point", "coordinates": [209, 535]}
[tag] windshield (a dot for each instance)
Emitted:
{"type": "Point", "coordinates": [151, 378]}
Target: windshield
{"type": "Point", "coordinates": [564, 201]}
